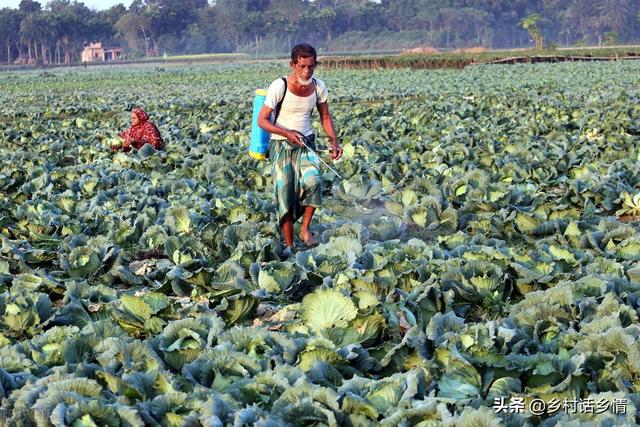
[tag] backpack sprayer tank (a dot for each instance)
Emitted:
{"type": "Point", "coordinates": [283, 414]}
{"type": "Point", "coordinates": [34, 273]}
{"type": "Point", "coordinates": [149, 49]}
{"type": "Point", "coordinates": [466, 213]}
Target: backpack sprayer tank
{"type": "Point", "coordinates": [259, 145]}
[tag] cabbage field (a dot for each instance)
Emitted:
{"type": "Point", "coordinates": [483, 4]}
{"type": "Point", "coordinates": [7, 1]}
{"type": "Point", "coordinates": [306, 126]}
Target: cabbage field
{"type": "Point", "coordinates": [479, 265]}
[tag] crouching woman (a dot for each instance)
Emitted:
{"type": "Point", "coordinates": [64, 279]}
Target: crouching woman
{"type": "Point", "coordinates": [141, 132]}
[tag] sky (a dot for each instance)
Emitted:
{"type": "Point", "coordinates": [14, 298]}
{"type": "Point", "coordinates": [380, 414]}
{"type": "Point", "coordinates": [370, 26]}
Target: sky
{"type": "Point", "coordinates": [91, 4]}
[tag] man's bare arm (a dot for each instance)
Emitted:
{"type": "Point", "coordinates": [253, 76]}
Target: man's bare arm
{"type": "Point", "coordinates": [329, 129]}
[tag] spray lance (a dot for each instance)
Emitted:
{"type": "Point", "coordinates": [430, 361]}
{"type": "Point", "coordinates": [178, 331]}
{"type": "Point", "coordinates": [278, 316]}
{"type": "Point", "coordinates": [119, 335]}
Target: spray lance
{"type": "Point", "coordinates": [304, 141]}
{"type": "Point", "coordinates": [374, 211]}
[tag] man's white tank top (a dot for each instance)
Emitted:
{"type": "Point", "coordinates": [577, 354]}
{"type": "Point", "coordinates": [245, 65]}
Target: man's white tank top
{"type": "Point", "coordinates": [295, 112]}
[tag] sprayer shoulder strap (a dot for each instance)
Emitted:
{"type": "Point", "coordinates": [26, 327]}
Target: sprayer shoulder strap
{"type": "Point", "coordinates": [315, 90]}
{"type": "Point", "coordinates": [279, 105]}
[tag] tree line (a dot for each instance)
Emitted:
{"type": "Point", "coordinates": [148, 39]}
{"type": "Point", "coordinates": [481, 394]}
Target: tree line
{"type": "Point", "coordinates": [58, 31]}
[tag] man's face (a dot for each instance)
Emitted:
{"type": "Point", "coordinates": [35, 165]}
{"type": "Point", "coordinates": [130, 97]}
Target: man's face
{"type": "Point", "coordinates": [303, 69]}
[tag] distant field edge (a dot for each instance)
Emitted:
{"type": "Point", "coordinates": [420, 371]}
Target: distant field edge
{"type": "Point", "coordinates": [459, 60]}
{"type": "Point", "coordinates": [177, 59]}
{"type": "Point", "coordinates": [436, 59]}
{"type": "Point", "coordinates": [199, 57]}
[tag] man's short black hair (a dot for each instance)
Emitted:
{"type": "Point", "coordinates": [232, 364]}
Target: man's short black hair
{"type": "Point", "coordinates": [303, 50]}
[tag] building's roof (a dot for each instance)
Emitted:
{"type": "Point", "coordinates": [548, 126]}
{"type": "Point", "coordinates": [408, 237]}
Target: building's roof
{"type": "Point", "coordinates": [98, 46]}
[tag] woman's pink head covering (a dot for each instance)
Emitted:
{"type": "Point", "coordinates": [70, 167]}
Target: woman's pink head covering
{"type": "Point", "coordinates": [142, 116]}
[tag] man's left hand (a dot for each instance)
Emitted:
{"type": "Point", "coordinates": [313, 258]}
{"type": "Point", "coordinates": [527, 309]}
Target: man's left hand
{"type": "Point", "coordinates": [336, 151]}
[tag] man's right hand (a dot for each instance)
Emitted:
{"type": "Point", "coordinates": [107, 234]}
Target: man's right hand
{"type": "Point", "coordinates": [295, 138]}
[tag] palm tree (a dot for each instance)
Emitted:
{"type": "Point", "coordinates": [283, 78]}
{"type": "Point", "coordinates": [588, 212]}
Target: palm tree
{"type": "Point", "coordinates": [28, 28]}
{"type": "Point", "coordinates": [45, 36]}
{"type": "Point", "coordinates": [530, 23]}
{"type": "Point", "coordinates": [614, 13]}
{"type": "Point", "coordinates": [131, 26]}
{"type": "Point", "coordinates": [36, 29]}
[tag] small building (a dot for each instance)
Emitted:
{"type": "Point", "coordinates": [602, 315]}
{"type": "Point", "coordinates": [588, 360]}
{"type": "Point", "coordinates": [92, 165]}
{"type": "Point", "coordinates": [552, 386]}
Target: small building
{"type": "Point", "coordinates": [96, 53]}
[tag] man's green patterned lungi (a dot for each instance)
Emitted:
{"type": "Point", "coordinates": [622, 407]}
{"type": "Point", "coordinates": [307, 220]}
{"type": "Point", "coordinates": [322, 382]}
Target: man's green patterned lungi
{"type": "Point", "coordinates": [296, 177]}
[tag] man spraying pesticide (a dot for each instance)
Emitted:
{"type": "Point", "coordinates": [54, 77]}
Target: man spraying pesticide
{"type": "Point", "coordinates": [295, 164]}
